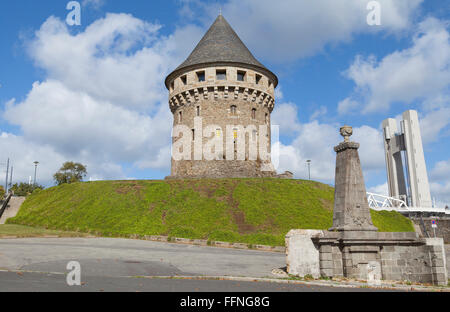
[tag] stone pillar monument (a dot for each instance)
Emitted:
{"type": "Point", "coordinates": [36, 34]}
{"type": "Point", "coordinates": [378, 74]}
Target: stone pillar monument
{"type": "Point", "coordinates": [351, 209]}
{"type": "Point", "coordinates": [353, 247]}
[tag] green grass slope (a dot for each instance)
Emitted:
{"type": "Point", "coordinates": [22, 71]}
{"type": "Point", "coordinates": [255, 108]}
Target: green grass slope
{"type": "Point", "coordinates": [255, 211]}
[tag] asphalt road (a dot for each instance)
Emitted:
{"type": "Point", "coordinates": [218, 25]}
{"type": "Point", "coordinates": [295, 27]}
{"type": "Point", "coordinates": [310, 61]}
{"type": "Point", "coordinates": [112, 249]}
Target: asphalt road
{"type": "Point", "coordinates": [44, 282]}
{"type": "Point", "coordinates": [40, 265]}
{"type": "Point", "coordinates": [121, 257]}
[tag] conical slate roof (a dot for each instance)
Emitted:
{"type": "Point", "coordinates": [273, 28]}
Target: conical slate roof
{"type": "Point", "coordinates": [221, 45]}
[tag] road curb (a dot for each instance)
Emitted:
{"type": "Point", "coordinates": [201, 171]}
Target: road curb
{"type": "Point", "coordinates": [337, 284]}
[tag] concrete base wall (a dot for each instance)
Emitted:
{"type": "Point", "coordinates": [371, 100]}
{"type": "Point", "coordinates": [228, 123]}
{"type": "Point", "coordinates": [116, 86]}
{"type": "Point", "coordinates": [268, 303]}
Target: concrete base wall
{"type": "Point", "coordinates": [302, 255]}
{"type": "Point", "coordinates": [365, 255]}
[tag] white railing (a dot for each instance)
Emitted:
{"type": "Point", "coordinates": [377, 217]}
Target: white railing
{"type": "Point", "coordinates": [381, 202]}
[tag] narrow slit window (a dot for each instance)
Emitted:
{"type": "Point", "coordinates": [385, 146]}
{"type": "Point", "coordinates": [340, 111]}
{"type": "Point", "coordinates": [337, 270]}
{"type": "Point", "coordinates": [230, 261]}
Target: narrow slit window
{"type": "Point", "coordinates": [254, 113]}
{"type": "Point", "coordinates": [198, 111]}
{"type": "Point", "coordinates": [193, 134]}
{"type": "Point", "coordinates": [221, 75]}
{"type": "Point", "coordinates": [267, 118]}
{"type": "Point", "coordinates": [180, 117]}
{"type": "Point", "coordinates": [233, 110]}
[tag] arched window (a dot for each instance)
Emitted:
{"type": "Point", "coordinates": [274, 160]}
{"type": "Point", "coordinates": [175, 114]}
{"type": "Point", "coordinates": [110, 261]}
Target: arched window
{"type": "Point", "coordinates": [254, 113]}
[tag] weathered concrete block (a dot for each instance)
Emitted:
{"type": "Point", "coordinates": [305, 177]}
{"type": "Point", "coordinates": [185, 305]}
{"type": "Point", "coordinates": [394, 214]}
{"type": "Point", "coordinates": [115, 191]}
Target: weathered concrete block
{"type": "Point", "coordinates": [439, 253]}
{"type": "Point", "coordinates": [302, 256]}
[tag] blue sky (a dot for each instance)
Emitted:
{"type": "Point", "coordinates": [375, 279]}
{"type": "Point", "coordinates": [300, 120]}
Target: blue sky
{"type": "Point", "coordinates": [94, 93]}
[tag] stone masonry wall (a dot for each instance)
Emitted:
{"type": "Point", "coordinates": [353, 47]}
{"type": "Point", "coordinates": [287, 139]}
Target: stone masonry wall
{"type": "Point", "coordinates": [442, 230]}
{"type": "Point", "coordinates": [421, 261]}
{"type": "Point", "coordinates": [212, 100]}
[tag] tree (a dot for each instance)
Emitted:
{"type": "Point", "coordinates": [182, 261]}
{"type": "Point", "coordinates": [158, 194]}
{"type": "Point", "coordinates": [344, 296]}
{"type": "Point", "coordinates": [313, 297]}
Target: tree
{"type": "Point", "coordinates": [2, 192]}
{"type": "Point", "coordinates": [25, 189]}
{"type": "Point", "coordinates": [70, 172]}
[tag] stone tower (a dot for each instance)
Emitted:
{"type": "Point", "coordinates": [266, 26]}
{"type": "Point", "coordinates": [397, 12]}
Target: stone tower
{"type": "Point", "coordinates": [222, 95]}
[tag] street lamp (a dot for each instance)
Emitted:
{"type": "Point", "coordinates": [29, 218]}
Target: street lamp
{"type": "Point", "coordinates": [309, 168]}
{"type": "Point", "coordinates": [35, 170]}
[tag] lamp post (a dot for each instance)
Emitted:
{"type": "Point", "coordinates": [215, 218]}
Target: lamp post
{"type": "Point", "coordinates": [308, 162]}
{"type": "Point", "coordinates": [6, 179]}
{"type": "Point", "coordinates": [35, 170]}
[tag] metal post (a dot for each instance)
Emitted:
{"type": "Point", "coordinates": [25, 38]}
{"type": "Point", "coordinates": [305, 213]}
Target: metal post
{"type": "Point", "coordinates": [35, 170]}
{"type": "Point", "coordinates": [7, 173]}
{"type": "Point", "coordinates": [309, 168]}
{"type": "Point", "coordinates": [10, 177]}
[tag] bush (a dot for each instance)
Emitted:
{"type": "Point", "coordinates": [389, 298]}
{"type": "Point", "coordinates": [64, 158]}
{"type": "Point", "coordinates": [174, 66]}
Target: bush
{"type": "Point", "coordinates": [25, 189]}
{"type": "Point", "coordinates": [2, 192]}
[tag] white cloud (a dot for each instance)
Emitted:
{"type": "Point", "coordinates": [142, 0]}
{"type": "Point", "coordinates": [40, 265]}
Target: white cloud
{"type": "Point", "coordinates": [315, 141]}
{"type": "Point", "coordinates": [294, 29]}
{"type": "Point", "coordinates": [322, 111]}
{"type": "Point", "coordinates": [103, 101]}
{"type": "Point", "coordinates": [433, 124]}
{"type": "Point", "coordinates": [441, 171]}
{"type": "Point", "coordinates": [23, 153]}
{"type": "Point", "coordinates": [119, 59]}
{"type": "Point", "coordinates": [441, 191]}
{"type": "Point", "coordinates": [77, 124]}
{"type": "Point", "coordinates": [348, 106]}
{"type": "Point", "coordinates": [381, 189]}
{"type": "Point", "coordinates": [285, 116]}
{"type": "Point", "coordinates": [418, 73]}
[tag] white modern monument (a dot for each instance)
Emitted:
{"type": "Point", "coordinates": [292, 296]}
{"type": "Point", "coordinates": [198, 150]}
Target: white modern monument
{"type": "Point", "coordinates": [405, 161]}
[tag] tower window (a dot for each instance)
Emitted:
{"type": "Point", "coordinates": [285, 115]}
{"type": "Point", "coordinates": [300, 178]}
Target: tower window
{"type": "Point", "coordinates": [235, 135]}
{"type": "Point", "coordinates": [258, 78]}
{"type": "Point", "coordinates": [180, 117]}
{"type": "Point", "coordinates": [254, 113]}
{"type": "Point", "coordinates": [198, 111]}
{"type": "Point", "coordinates": [240, 76]}
{"type": "Point", "coordinates": [193, 134]}
{"type": "Point", "coordinates": [221, 75]}
{"type": "Point", "coordinates": [184, 80]}
{"type": "Point", "coordinates": [218, 133]}
{"type": "Point", "coordinates": [201, 76]}
{"type": "Point", "coordinates": [233, 110]}
{"type": "Point", "coordinates": [172, 86]}
{"type": "Point", "coordinates": [267, 118]}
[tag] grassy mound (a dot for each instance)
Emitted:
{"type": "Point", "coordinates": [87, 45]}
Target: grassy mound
{"type": "Point", "coordinates": [255, 211]}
